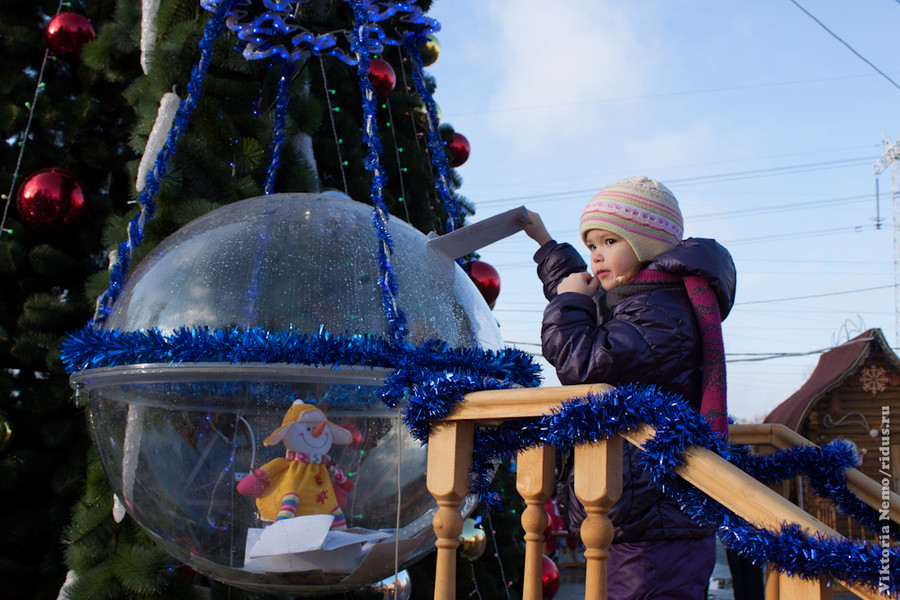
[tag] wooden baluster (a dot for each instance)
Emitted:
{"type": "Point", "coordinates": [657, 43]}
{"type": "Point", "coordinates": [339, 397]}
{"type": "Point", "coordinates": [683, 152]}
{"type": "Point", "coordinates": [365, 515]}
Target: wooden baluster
{"type": "Point", "coordinates": [795, 588]}
{"type": "Point", "coordinates": [535, 482]}
{"type": "Point", "coordinates": [771, 583]}
{"type": "Point", "coordinates": [449, 463]}
{"type": "Point", "coordinates": [598, 484]}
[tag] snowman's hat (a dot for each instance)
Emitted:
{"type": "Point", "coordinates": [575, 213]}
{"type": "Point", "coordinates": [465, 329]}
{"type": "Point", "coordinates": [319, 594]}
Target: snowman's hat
{"type": "Point", "coordinates": [301, 412]}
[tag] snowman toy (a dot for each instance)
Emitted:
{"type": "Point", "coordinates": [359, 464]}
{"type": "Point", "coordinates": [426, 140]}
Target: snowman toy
{"type": "Point", "coordinates": [306, 481]}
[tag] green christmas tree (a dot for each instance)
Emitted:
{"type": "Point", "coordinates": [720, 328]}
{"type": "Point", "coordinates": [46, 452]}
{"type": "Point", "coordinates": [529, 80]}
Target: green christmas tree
{"type": "Point", "coordinates": [93, 115]}
{"type": "Point", "coordinates": [56, 113]}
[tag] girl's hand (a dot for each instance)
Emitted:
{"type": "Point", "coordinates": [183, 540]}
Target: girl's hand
{"type": "Point", "coordinates": [580, 283]}
{"type": "Point", "coordinates": [534, 228]}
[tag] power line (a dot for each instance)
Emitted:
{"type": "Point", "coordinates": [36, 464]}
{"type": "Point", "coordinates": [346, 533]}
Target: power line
{"type": "Point", "coordinates": [715, 178]}
{"type": "Point", "coordinates": [849, 47]}
{"type": "Point", "coordinates": [652, 96]}
{"type": "Point", "coordinates": [747, 356]}
{"type": "Point", "coordinates": [796, 235]}
{"type": "Point", "coordinates": [745, 303]}
{"type": "Point", "coordinates": [773, 208]}
{"type": "Point", "coordinates": [880, 287]}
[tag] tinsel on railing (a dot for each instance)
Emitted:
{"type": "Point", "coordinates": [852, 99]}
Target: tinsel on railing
{"type": "Point", "coordinates": [677, 428]}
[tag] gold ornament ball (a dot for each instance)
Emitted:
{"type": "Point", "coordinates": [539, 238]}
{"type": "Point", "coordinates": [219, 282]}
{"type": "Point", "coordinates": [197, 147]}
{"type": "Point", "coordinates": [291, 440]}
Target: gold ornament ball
{"type": "Point", "coordinates": [430, 50]}
{"type": "Point", "coordinates": [420, 114]}
{"type": "Point", "coordinates": [472, 541]}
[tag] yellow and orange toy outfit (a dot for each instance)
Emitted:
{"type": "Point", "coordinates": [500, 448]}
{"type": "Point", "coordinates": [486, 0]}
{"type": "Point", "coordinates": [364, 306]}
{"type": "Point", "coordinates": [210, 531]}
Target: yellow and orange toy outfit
{"type": "Point", "coordinates": [301, 484]}
{"type": "Point", "coordinates": [304, 482]}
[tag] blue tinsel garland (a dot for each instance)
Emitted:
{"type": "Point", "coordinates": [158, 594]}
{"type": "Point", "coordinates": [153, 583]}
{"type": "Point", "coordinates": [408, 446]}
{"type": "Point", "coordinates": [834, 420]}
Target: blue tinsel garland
{"type": "Point", "coordinates": [380, 215]}
{"type": "Point", "coordinates": [432, 378]}
{"type": "Point", "coordinates": [433, 137]}
{"type": "Point", "coordinates": [90, 348]}
{"type": "Point", "coordinates": [271, 28]}
{"type": "Point", "coordinates": [278, 131]}
{"type": "Point", "coordinates": [678, 427]}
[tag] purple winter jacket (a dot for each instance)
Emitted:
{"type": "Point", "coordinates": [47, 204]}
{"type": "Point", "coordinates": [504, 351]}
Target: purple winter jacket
{"type": "Point", "coordinates": [638, 332]}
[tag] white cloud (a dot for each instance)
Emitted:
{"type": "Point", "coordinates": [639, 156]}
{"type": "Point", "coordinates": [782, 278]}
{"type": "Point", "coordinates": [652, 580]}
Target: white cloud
{"type": "Point", "coordinates": [555, 61]}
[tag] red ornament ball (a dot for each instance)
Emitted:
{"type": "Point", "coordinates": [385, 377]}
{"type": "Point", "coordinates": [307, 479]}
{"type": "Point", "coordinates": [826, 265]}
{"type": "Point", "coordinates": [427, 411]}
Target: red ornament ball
{"type": "Point", "coordinates": [49, 199]}
{"type": "Point", "coordinates": [549, 577]}
{"type": "Point", "coordinates": [459, 150]}
{"type": "Point", "coordinates": [382, 76]}
{"type": "Point", "coordinates": [356, 435]}
{"type": "Point", "coordinates": [67, 33]}
{"type": "Point", "coordinates": [486, 279]}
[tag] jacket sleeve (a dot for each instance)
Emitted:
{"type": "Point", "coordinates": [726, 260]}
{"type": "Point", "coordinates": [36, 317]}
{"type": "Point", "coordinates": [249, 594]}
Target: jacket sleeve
{"type": "Point", "coordinates": [641, 343]}
{"type": "Point", "coordinates": [555, 263]}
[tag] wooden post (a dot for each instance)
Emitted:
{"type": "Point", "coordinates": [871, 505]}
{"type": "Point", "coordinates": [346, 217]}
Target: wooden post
{"type": "Point", "coordinates": [598, 484]}
{"type": "Point", "coordinates": [771, 583]}
{"type": "Point", "coordinates": [449, 463]}
{"type": "Point", "coordinates": [534, 482]}
{"type": "Point", "coordinates": [794, 588]}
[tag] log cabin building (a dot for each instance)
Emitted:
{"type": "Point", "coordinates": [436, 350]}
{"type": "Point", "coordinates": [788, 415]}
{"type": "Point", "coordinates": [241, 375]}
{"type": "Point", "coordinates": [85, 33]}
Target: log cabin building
{"type": "Point", "coordinates": [854, 387]}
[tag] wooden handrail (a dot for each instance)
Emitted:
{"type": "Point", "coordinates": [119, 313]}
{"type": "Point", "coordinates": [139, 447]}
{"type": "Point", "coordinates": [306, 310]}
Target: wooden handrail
{"type": "Point", "coordinates": [518, 403]}
{"type": "Point", "coordinates": [780, 437]}
{"type": "Point", "coordinates": [450, 457]}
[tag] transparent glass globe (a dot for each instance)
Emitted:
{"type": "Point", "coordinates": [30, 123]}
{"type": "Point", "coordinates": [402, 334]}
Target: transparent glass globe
{"type": "Point", "coordinates": [306, 261]}
{"type": "Point", "coordinates": [175, 439]}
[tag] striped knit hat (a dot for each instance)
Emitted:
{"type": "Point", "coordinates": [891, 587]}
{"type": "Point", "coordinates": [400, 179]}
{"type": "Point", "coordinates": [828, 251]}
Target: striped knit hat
{"type": "Point", "coordinates": [643, 211]}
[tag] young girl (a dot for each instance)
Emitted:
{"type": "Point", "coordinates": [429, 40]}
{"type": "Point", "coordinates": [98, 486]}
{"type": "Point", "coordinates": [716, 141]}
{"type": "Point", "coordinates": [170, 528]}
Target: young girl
{"type": "Point", "coordinates": [648, 311]}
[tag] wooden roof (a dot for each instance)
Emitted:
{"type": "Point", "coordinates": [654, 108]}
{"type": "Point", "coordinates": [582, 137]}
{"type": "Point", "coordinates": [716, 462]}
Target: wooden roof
{"type": "Point", "coordinates": [834, 367]}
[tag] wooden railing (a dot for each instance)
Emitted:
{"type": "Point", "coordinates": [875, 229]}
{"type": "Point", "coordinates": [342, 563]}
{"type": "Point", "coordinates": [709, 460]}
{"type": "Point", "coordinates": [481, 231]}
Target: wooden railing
{"type": "Point", "coordinates": [598, 484]}
{"type": "Point", "coordinates": [779, 437]}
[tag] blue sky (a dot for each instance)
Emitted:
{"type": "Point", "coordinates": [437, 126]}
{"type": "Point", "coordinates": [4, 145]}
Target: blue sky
{"type": "Point", "coordinates": [765, 127]}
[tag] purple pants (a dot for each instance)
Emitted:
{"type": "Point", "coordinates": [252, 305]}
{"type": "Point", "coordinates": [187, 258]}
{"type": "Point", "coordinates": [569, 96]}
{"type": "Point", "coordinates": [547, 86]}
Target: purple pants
{"type": "Point", "coordinates": [674, 570]}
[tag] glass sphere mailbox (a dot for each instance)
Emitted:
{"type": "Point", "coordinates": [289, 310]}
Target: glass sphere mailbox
{"type": "Point", "coordinates": [176, 439]}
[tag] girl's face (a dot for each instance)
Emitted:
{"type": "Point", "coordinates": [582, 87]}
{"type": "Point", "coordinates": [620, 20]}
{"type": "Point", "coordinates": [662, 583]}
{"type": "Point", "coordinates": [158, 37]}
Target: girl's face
{"type": "Point", "coordinates": [611, 257]}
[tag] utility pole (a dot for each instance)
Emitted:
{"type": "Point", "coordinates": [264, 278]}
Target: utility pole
{"type": "Point", "coordinates": [891, 157]}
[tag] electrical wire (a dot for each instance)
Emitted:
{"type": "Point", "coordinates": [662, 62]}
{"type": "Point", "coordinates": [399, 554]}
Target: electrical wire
{"type": "Point", "coordinates": [849, 47]}
{"type": "Point", "coordinates": [703, 179]}
{"type": "Point", "coordinates": [745, 303]}
{"type": "Point", "coordinates": [841, 293]}
{"type": "Point", "coordinates": [735, 88]}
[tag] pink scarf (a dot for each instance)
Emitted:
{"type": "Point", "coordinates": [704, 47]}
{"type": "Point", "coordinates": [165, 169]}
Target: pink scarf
{"type": "Point", "coordinates": [713, 404]}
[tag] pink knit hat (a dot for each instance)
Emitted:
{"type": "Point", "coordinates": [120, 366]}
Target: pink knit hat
{"type": "Point", "coordinates": [643, 211]}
